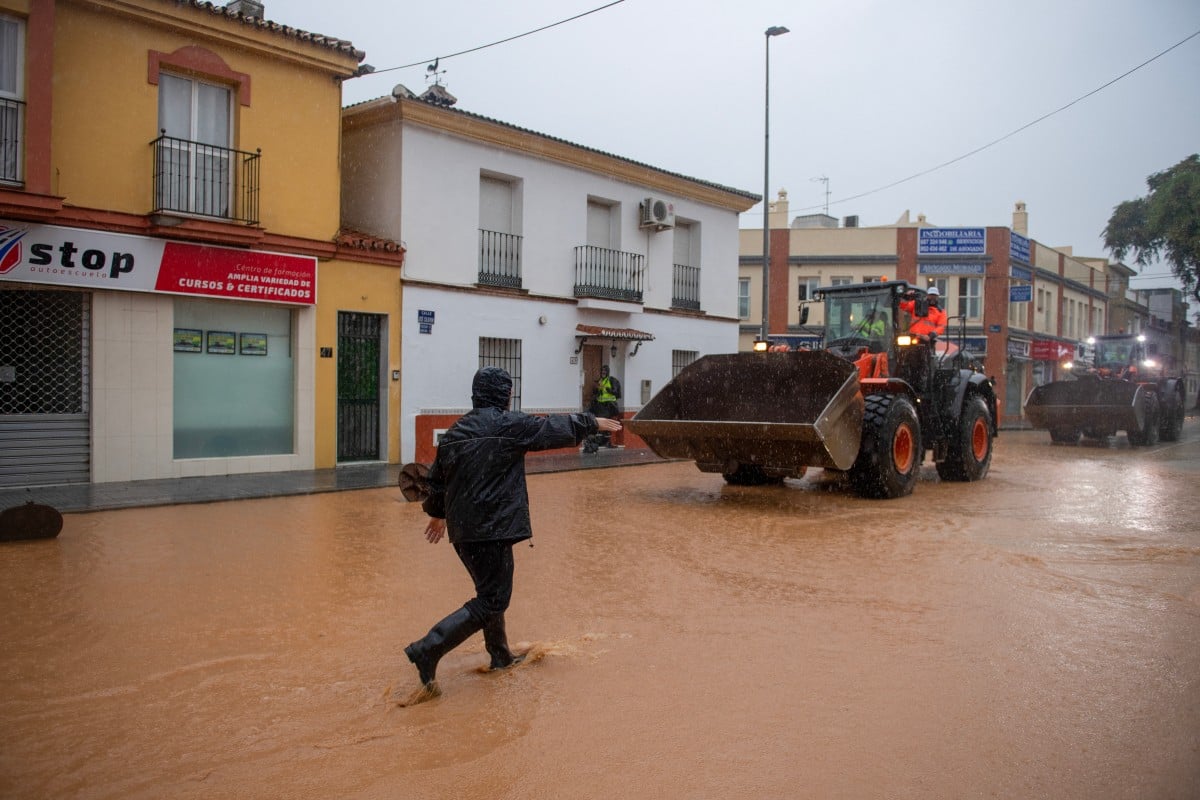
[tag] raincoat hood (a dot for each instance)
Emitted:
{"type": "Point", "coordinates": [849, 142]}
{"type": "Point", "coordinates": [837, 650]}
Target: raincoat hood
{"type": "Point", "coordinates": [491, 388]}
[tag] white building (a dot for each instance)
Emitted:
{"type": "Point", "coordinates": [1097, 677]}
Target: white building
{"type": "Point", "coordinates": [538, 255]}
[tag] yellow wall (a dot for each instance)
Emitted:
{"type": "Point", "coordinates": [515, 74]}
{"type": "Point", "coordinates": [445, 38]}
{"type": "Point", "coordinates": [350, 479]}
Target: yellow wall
{"type": "Point", "coordinates": [364, 288]}
{"type": "Point", "coordinates": [104, 103]}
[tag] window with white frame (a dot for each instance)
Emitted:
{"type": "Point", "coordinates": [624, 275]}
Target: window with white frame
{"type": "Point", "coordinates": [970, 291]}
{"type": "Point", "coordinates": [807, 288]}
{"type": "Point", "coordinates": [840, 280]}
{"type": "Point", "coordinates": [499, 227]}
{"type": "Point", "coordinates": [506, 354]}
{"type": "Point", "coordinates": [12, 97]}
{"type": "Point", "coordinates": [743, 298]}
{"type": "Point", "coordinates": [195, 164]}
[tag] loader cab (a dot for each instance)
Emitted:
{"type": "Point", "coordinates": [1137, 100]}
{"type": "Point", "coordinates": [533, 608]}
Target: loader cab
{"type": "Point", "coordinates": [860, 316]}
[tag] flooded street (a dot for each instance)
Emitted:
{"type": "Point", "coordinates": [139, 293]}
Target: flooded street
{"type": "Point", "coordinates": [1033, 635]}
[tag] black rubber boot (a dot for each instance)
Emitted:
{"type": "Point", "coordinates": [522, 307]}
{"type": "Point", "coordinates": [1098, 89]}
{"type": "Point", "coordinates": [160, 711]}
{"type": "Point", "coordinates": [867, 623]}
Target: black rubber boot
{"type": "Point", "coordinates": [441, 639]}
{"type": "Point", "coordinates": [495, 639]}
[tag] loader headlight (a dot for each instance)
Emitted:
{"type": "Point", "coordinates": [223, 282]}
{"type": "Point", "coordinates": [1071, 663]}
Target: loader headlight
{"type": "Point", "coordinates": [1068, 365]}
{"type": "Point", "coordinates": [1149, 363]}
{"type": "Point", "coordinates": [905, 340]}
{"type": "Point", "coordinates": [760, 345]}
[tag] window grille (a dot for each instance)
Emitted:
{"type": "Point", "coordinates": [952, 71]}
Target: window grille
{"type": "Point", "coordinates": [44, 355]}
{"type": "Point", "coordinates": [506, 354]}
{"type": "Point", "coordinates": [681, 359]}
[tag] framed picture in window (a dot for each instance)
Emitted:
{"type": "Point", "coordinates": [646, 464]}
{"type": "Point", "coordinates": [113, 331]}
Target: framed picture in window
{"type": "Point", "coordinates": [189, 340]}
{"type": "Point", "coordinates": [222, 342]}
{"type": "Point", "coordinates": [252, 344]}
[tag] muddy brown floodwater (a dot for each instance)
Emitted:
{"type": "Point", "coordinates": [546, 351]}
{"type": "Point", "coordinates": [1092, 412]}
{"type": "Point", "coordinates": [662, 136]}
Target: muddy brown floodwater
{"type": "Point", "coordinates": [1036, 635]}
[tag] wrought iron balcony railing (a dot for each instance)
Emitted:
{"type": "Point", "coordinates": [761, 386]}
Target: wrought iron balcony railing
{"type": "Point", "coordinates": [12, 136]}
{"type": "Point", "coordinates": [685, 287]}
{"type": "Point", "coordinates": [203, 179]}
{"type": "Point", "coordinates": [499, 259]}
{"type": "Point", "coordinates": [608, 274]}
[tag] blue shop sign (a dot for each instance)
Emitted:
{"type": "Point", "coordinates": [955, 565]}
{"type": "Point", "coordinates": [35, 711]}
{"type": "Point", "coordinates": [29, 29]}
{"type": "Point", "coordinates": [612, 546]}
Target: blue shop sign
{"type": "Point", "coordinates": [951, 241]}
{"type": "Point", "coordinates": [952, 268]}
{"type": "Point", "coordinates": [1021, 293]}
{"type": "Point", "coordinates": [1018, 248]}
{"type": "Point", "coordinates": [1020, 273]}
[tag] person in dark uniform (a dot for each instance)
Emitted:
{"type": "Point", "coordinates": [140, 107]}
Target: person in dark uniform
{"type": "Point", "coordinates": [477, 493]}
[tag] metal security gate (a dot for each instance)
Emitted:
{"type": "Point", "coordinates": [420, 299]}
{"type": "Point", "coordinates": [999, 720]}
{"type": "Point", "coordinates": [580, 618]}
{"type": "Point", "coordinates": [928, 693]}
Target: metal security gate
{"type": "Point", "coordinates": [360, 369]}
{"type": "Point", "coordinates": [44, 371]}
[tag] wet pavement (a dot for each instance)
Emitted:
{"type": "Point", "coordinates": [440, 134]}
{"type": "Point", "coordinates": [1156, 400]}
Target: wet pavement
{"type": "Point", "coordinates": [1033, 635]}
{"type": "Point", "coordinates": [173, 491]}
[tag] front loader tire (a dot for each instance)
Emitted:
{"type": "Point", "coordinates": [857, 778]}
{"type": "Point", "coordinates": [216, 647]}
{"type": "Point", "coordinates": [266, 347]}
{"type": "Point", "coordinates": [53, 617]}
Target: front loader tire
{"type": "Point", "coordinates": [1148, 435]}
{"type": "Point", "coordinates": [971, 449]}
{"type": "Point", "coordinates": [747, 475]}
{"type": "Point", "coordinates": [1171, 425]}
{"type": "Point", "coordinates": [889, 457]}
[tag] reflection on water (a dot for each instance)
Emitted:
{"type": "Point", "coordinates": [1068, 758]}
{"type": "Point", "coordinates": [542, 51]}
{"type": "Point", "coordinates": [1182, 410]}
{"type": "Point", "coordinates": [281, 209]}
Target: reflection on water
{"type": "Point", "coordinates": [1031, 635]}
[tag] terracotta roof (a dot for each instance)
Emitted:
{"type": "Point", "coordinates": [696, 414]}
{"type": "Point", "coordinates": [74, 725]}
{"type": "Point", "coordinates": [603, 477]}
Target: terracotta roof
{"type": "Point", "coordinates": [613, 333]}
{"type": "Point", "coordinates": [317, 39]}
{"type": "Point", "coordinates": [348, 237]}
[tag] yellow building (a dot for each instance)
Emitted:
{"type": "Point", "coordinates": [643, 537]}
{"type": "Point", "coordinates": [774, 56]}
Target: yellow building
{"type": "Point", "coordinates": [169, 184]}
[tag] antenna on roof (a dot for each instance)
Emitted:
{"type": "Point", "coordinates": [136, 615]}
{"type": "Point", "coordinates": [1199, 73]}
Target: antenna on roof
{"type": "Point", "coordinates": [823, 179]}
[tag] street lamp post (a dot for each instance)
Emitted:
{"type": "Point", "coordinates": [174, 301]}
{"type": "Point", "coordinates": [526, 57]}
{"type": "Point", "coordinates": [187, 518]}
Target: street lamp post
{"type": "Point", "coordinates": [774, 30]}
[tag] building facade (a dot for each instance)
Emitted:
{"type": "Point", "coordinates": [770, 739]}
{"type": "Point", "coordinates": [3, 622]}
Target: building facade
{"type": "Point", "coordinates": [169, 193]}
{"type": "Point", "coordinates": [544, 257]}
{"type": "Point", "coordinates": [1023, 307]}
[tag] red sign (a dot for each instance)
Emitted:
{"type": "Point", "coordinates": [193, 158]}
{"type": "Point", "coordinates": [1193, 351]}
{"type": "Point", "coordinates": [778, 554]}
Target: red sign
{"type": "Point", "coordinates": [1047, 350]}
{"type": "Point", "coordinates": [240, 274]}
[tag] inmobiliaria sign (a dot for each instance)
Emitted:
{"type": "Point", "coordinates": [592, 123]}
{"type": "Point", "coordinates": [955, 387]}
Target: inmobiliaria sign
{"type": "Point", "coordinates": [76, 257]}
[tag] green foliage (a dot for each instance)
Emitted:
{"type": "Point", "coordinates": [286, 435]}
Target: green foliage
{"type": "Point", "coordinates": [1163, 225]}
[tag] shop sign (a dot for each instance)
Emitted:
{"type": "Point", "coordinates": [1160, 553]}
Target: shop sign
{"type": "Point", "coordinates": [1021, 293]}
{"type": "Point", "coordinates": [1049, 350]}
{"type": "Point", "coordinates": [951, 241]}
{"type": "Point", "coordinates": [1020, 273]}
{"type": "Point", "coordinates": [1018, 248]}
{"type": "Point", "coordinates": [1018, 348]}
{"type": "Point", "coordinates": [952, 268]}
{"type": "Point", "coordinates": [52, 254]}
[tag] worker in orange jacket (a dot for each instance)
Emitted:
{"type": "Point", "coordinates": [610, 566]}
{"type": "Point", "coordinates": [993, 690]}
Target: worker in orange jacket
{"type": "Point", "coordinates": [934, 321]}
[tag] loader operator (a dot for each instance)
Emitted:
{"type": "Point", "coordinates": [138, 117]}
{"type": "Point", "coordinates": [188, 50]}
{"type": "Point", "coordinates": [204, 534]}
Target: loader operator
{"type": "Point", "coordinates": [934, 321]}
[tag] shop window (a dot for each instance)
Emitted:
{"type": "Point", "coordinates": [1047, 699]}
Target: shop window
{"type": "Point", "coordinates": [234, 379]}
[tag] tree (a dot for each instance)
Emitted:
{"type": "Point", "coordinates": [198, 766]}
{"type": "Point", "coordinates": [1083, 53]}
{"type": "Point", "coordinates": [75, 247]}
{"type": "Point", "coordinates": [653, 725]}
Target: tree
{"type": "Point", "coordinates": [1163, 225]}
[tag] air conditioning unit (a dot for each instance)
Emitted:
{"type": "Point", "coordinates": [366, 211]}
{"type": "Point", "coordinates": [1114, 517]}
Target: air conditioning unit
{"type": "Point", "coordinates": [658, 214]}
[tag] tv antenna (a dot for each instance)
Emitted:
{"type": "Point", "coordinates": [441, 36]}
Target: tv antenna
{"type": "Point", "coordinates": [823, 179]}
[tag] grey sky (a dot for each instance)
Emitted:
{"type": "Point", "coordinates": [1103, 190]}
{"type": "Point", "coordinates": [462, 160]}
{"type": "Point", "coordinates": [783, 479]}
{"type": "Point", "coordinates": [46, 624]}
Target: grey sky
{"type": "Point", "coordinates": [865, 93]}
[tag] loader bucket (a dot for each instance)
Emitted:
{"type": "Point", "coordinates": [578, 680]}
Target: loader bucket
{"type": "Point", "coordinates": [1087, 404]}
{"type": "Point", "coordinates": [781, 412]}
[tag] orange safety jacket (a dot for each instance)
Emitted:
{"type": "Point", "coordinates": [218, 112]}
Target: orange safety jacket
{"type": "Point", "coordinates": [933, 322]}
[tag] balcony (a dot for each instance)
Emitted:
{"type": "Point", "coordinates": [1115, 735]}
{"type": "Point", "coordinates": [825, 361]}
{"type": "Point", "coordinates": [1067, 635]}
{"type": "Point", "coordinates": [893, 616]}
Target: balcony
{"type": "Point", "coordinates": [499, 259]}
{"type": "Point", "coordinates": [608, 274]}
{"type": "Point", "coordinates": [205, 180]}
{"type": "Point", "coordinates": [685, 287]}
{"type": "Point", "coordinates": [12, 132]}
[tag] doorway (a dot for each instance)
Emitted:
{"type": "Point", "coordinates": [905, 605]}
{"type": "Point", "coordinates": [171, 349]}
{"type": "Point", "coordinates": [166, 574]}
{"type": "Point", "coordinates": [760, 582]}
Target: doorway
{"type": "Point", "coordinates": [360, 383]}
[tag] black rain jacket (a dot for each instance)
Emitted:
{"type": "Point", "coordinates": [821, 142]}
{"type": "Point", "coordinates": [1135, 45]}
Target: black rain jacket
{"type": "Point", "coordinates": [477, 481]}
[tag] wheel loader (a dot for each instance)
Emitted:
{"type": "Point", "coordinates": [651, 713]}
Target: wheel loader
{"type": "Point", "coordinates": [1122, 389]}
{"type": "Point", "coordinates": [869, 400]}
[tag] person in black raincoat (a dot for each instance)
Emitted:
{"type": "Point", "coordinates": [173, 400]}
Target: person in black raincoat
{"type": "Point", "coordinates": [478, 493]}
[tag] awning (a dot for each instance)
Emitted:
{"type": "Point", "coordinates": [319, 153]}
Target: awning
{"type": "Point", "coordinates": [601, 332]}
